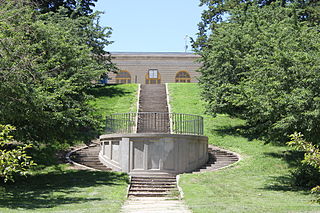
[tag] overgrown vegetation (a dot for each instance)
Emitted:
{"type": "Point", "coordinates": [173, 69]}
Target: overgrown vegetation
{"type": "Point", "coordinates": [261, 182]}
{"type": "Point", "coordinates": [261, 64]}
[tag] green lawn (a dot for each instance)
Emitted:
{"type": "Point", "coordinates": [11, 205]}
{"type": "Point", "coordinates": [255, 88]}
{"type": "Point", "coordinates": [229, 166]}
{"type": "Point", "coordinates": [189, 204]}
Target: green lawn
{"type": "Point", "coordinates": [260, 182]}
{"type": "Point", "coordinates": [115, 99]}
{"type": "Point", "coordinates": [57, 188]}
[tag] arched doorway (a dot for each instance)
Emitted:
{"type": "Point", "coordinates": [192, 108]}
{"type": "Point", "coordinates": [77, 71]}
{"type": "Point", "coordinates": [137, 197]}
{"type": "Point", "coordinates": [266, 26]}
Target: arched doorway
{"type": "Point", "coordinates": [123, 77]}
{"type": "Point", "coordinates": [153, 77]}
{"type": "Point", "coordinates": [183, 77]}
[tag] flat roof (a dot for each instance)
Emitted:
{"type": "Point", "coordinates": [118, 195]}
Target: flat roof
{"type": "Point", "coordinates": [155, 54]}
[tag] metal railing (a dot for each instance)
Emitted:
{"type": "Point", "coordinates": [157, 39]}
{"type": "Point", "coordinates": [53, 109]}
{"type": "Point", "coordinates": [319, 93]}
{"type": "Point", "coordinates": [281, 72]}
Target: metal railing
{"type": "Point", "coordinates": [154, 122]}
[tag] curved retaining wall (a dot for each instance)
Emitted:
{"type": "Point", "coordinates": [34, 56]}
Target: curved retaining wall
{"type": "Point", "coordinates": [158, 154]}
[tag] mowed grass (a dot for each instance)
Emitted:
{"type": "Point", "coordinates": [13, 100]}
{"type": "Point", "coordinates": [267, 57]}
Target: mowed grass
{"type": "Point", "coordinates": [260, 182]}
{"type": "Point", "coordinates": [115, 99]}
{"type": "Point", "coordinates": [57, 188]}
{"type": "Point", "coordinates": [111, 99]}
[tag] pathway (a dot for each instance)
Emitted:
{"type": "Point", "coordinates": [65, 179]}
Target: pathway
{"type": "Point", "coordinates": [154, 205]}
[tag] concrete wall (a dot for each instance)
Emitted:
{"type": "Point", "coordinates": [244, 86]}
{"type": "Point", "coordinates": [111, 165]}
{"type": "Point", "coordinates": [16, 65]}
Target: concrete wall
{"type": "Point", "coordinates": [168, 65]}
{"type": "Point", "coordinates": [157, 154]}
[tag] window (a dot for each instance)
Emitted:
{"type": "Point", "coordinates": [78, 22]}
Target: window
{"type": "Point", "coordinates": [153, 73]}
{"type": "Point", "coordinates": [123, 77]}
{"type": "Point", "coordinates": [183, 77]}
{"type": "Point", "coordinates": [153, 77]}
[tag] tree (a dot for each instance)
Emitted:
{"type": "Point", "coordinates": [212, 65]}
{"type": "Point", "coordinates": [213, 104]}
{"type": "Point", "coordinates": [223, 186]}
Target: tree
{"type": "Point", "coordinates": [75, 8]}
{"type": "Point", "coordinates": [260, 65]}
{"type": "Point", "coordinates": [217, 10]}
{"type": "Point", "coordinates": [14, 161]}
{"type": "Point", "coordinates": [47, 64]}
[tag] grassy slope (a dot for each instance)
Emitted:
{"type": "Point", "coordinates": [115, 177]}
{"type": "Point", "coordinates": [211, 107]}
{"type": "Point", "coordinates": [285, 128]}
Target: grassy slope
{"type": "Point", "coordinates": [59, 189]}
{"type": "Point", "coordinates": [258, 183]}
{"type": "Point", "coordinates": [115, 99]}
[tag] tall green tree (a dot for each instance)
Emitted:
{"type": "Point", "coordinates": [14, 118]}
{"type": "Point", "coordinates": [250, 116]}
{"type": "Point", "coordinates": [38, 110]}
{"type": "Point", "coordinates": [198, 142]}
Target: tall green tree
{"type": "Point", "coordinates": [217, 10]}
{"type": "Point", "coordinates": [75, 8]}
{"type": "Point", "coordinates": [260, 65]}
{"type": "Point", "coordinates": [47, 64]}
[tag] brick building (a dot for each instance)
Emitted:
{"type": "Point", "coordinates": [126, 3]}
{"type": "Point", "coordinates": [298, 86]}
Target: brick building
{"type": "Point", "coordinates": [154, 68]}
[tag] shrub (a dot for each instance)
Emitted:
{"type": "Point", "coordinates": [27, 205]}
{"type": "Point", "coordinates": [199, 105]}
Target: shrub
{"type": "Point", "coordinates": [13, 161]}
{"type": "Point", "coordinates": [311, 156]}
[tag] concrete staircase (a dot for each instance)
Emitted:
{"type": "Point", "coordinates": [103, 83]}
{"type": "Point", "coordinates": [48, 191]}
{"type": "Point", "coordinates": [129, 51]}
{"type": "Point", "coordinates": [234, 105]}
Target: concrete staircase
{"type": "Point", "coordinates": [153, 186]}
{"type": "Point", "coordinates": [89, 157]}
{"type": "Point", "coordinates": [154, 195]}
{"type": "Point", "coordinates": [217, 159]}
{"type": "Point", "coordinates": [153, 98]}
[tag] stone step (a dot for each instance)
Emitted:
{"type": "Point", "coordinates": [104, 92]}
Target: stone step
{"type": "Point", "coordinates": [153, 178]}
{"type": "Point", "coordinates": [155, 185]}
{"type": "Point", "coordinates": [150, 184]}
{"type": "Point", "coordinates": [83, 160]}
{"type": "Point", "coordinates": [85, 154]}
{"type": "Point", "coordinates": [144, 189]}
{"type": "Point", "coordinates": [163, 181]}
{"type": "Point", "coordinates": [148, 194]}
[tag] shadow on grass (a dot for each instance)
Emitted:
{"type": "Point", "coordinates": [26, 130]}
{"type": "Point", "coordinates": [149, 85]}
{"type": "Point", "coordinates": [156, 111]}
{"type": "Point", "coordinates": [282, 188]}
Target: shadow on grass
{"type": "Point", "coordinates": [55, 188]}
{"type": "Point", "coordinates": [301, 178]}
{"type": "Point", "coordinates": [292, 157]}
{"type": "Point", "coordinates": [239, 131]}
{"type": "Point", "coordinates": [107, 91]}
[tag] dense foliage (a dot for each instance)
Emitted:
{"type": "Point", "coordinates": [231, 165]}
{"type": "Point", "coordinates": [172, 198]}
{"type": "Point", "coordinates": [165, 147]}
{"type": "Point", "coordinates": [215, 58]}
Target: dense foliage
{"type": "Point", "coordinates": [262, 64]}
{"type": "Point", "coordinates": [46, 68]}
{"type": "Point", "coordinates": [217, 10]}
{"type": "Point", "coordinates": [13, 161]}
{"type": "Point", "coordinates": [311, 156]}
{"type": "Point", "coordinates": [74, 8]}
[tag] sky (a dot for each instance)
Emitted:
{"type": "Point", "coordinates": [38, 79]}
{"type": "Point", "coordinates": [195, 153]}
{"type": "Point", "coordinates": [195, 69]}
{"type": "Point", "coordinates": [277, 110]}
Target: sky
{"type": "Point", "coordinates": [150, 25]}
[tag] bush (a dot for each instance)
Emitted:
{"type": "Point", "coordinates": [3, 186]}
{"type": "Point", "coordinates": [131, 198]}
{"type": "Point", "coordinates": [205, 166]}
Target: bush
{"type": "Point", "coordinates": [311, 158]}
{"type": "Point", "coordinates": [14, 161]}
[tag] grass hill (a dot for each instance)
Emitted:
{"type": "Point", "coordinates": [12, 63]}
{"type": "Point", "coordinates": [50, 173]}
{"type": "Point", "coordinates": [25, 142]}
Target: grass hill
{"type": "Point", "coordinates": [260, 182]}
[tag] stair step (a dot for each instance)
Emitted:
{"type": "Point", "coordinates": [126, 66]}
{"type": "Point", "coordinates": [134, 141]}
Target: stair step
{"type": "Point", "coordinates": [154, 183]}
{"type": "Point", "coordinates": [149, 190]}
{"type": "Point", "coordinates": [154, 179]}
{"type": "Point", "coordinates": [148, 194]}
{"type": "Point", "coordinates": [154, 186]}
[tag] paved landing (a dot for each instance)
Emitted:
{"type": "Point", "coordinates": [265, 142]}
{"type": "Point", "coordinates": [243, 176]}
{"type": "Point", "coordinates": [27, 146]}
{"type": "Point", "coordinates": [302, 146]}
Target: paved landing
{"type": "Point", "coordinates": [154, 205]}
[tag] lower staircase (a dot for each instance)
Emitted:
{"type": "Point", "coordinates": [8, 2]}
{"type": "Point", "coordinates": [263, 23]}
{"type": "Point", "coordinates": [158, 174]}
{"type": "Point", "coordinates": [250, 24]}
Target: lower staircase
{"type": "Point", "coordinates": [89, 157]}
{"type": "Point", "coordinates": [217, 159]}
{"type": "Point", "coordinates": [153, 186]}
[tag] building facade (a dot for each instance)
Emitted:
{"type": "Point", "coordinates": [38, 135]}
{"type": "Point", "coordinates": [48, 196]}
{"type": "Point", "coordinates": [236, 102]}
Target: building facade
{"type": "Point", "coordinates": [154, 68]}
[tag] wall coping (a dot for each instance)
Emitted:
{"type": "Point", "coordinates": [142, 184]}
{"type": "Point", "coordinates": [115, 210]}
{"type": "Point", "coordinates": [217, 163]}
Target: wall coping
{"type": "Point", "coordinates": [150, 135]}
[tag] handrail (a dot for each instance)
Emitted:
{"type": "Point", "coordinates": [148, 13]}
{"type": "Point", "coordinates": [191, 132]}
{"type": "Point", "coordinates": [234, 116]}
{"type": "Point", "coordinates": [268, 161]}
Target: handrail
{"type": "Point", "coordinates": [154, 122]}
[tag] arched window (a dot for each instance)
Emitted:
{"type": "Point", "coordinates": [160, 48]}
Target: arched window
{"type": "Point", "coordinates": [183, 77]}
{"type": "Point", "coordinates": [153, 77]}
{"type": "Point", "coordinates": [123, 77]}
